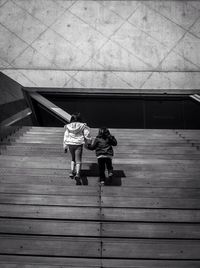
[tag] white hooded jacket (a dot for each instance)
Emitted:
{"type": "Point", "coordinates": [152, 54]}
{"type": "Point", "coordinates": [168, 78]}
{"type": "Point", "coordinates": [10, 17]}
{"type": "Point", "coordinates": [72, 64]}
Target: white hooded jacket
{"type": "Point", "coordinates": [76, 133]}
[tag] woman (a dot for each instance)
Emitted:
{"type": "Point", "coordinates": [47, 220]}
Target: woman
{"type": "Point", "coordinates": [76, 134]}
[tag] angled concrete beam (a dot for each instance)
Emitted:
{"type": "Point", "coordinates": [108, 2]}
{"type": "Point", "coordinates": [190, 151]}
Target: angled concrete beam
{"type": "Point", "coordinates": [16, 117]}
{"type": "Point", "coordinates": [51, 106]}
{"type": "Point", "coordinates": [195, 97]}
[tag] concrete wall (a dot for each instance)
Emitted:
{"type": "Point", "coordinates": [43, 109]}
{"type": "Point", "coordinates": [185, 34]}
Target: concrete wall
{"type": "Point", "coordinates": [140, 46]}
{"type": "Point", "coordinates": [11, 99]}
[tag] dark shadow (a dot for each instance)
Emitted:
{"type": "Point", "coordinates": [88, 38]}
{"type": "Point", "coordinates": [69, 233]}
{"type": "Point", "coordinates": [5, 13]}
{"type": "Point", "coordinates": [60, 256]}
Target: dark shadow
{"type": "Point", "coordinates": [115, 180]}
{"type": "Point", "coordinates": [93, 171]}
{"type": "Point", "coordinates": [84, 180]}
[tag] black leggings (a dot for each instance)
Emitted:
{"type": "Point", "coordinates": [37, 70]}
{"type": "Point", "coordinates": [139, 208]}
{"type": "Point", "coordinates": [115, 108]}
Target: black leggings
{"type": "Point", "coordinates": [104, 162]}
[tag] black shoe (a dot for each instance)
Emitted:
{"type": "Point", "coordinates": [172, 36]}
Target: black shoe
{"type": "Point", "coordinates": [72, 175]}
{"type": "Point", "coordinates": [78, 180]}
{"type": "Point", "coordinates": [110, 174]}
{"type": "Point", "coordinates": [102, 181]}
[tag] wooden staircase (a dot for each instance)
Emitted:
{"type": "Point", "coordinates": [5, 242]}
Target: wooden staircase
{"type": "Point", "coordinates": [148, 217]}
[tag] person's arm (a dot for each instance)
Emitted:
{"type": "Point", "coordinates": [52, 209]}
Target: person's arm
{"type": "Point", "coordinates": [92, 145]}
{"type": "Point", "coordinates": [112, 140]}
{"type": "Point", "coordinates": [65, 138]}
{"type": "Point", "coordinates": [87, 135]}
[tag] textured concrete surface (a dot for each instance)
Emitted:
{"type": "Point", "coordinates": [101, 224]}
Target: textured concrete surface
{"type": "Point", "coordinates": [134, 45]}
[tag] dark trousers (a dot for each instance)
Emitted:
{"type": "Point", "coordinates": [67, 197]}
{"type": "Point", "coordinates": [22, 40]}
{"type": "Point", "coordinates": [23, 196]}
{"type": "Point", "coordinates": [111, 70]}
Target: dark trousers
{"type": "Point", "coordinates": [104, 162]}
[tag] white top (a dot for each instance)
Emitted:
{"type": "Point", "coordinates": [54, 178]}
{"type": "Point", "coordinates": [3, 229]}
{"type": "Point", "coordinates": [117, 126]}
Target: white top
{"type": "Point", "coordinates": [76, 133]}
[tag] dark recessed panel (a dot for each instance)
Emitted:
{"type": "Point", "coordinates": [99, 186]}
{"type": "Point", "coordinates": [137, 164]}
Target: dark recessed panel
{"type": "Point", "coordinates": [118, 111]}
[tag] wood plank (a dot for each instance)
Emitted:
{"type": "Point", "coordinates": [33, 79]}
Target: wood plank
{"type": "Point", "coordinates": [122, 134]}
{"type": "Point", "coordinates": [125, 140]}
{"type": "Point", "coordinates": [155, 132]}
{"type": "Point", "coordinates": [142, 173]}
{"type": "Point", "coordinates": [49, 227]}
{"type": "Point", "coordinates": [144, 133]}
{"type": "Point", "coordinates": [93, 181]}
{"type": "Point", "coordinates": [134, 202]}
{"type": "Point", "coordinates": [15, 148]}
{"type": "Point", "coordinates": [40, 266]}
{"type": "Point", "coordinates": [47, 180]}
{"type": "Point", "coordinates": [119, 147]}
{"type": "Point", "coordinates": [138, 142]}
{"type": "Point", "coordinates": [156, 182]}
{"type": "Point", "coordinates": [51, 200]}
{"type": "Point", "coordinates": [50, 246]}
{"type": "Point", "coordinates": [151, 230]}
{"type": "Point", "coordinates": [36, 171]}
{"type": "Point", "coordinates": [151, 248]}
{"type": "Point", "coordinates": [150, 192]}
{"type": "Point", "coordinates": [62, 163]}
{"type": "Point", "coordinates": [123, 263]}
{"type": "Point", "coordinates": [44, 262]}
{"type": "Point", "coordinates": [92, 170]}
{"type": "Point", "coordinates": [49, 212]}
{"type": "Point", "coordinates": [48, 190]}
{"type": "Point", "coordinates": [151, 215]}
{"type": "Point", "coordinates": [92, 157]}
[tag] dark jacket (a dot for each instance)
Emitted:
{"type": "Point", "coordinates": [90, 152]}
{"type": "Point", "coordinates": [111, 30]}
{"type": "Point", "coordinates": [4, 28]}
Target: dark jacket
{"type": "Point", "coordinates": [103, 146]}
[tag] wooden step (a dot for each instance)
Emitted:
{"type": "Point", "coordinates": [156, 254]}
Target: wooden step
{"type": "Point", "coordinates": [93, 213]}
{"type": "Point", "coordinates": [49, 190]}
{"type": "Point", "coordinates": [50, 227]}
{"type": "Point", "coordinates": [139, 140]}
{"type": "Point", "coordinates": [52, 246]}
{"type": "Point", "coordinates": [125, 263]}
{"type": "Point", "coordinates": [50, 180]}
{"type": "Point", "coordinates": [151, 230]}
{"type": "Point", "coordinates": [120, 138]}
{"type": "Point", "coordinates": [151, 249]}
{"type": "Point", "coordinates": [145, 202]}
{"type": "Point", "coordinates": [55, 262]}
{"type": "Point", "coordinates": [150, 214]}
{"type": "Point", "coordinates": [12, 261]}
{"type": "Point", "coordinates": [114, 191]}
{"type": "Point", "coordinates": [163, 181]}
{"type": "Point", "coordinates": [49, 212]}
{"type": "Point", "coordinates": [121, 192]}
{"type": "Point", "coordinates": [92, 171]}
{"type": "Point", "coordinates": [52, 200]}
{"type": "Point", "coordinates": [137, 150]}
{"type": "Point", "coordinates": [92, 157]}
{"type": "Point", "coordinates": [148, 217]}
{"type": "Point", "coordinates": [62, 163]}
{"type": "Point", "coordinates": [114, 229]}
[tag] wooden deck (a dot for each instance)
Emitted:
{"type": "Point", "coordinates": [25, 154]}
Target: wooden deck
{"type": "Point", "coordinates": [148, 218]}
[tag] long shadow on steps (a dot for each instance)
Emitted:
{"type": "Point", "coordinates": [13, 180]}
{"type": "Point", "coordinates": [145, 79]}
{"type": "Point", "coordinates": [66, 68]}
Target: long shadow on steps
{"type": "Point", "coordinates": [93, 171]}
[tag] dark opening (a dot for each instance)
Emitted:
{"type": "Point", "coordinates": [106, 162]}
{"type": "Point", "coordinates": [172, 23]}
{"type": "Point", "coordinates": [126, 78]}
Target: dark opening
{"type": "Point", "coordinates": [130, 111]}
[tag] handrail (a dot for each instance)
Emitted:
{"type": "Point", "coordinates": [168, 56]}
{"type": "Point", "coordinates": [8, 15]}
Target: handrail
{"type": "Point", "coordinates": [51, 106]}
{"type": "Point", "coordinates": [16, 117]}
{"type": "Point", "coordinates": [195, 97]}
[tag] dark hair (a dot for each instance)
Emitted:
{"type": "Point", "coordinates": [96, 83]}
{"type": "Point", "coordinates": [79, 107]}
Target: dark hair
{"type": "Point", "coordinates": [103, 133]}
{"type": "Point", "coordinates": [76, 117]}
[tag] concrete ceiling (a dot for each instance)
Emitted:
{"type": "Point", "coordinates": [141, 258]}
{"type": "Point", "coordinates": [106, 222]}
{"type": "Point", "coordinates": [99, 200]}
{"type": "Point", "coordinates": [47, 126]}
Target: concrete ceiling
{"type": "Point", "coordinates": [136, 45]}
